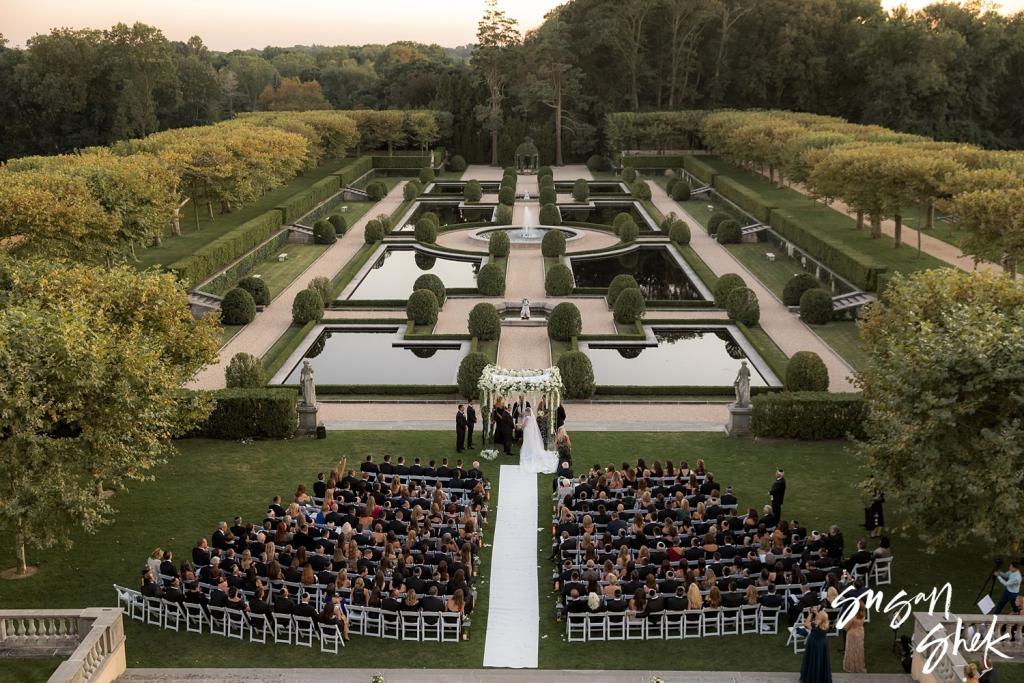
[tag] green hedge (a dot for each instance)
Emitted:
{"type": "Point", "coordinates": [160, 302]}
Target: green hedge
{"type": "Point", "coordinates": [383, 389]}
{"type": "Point", "coordinates": [700, 170]}
{"type": "Point", "coordinates": [354, 171]}
{"type": "Point", "coordinates": [226, 248]}
{"type": "Point", "coordinates": [744, 197]}
{"type": "Point", "coordinates": [674, 390]}
{"type": "Point", "coordinates": [298, 205]}
{"type": "Point", "coordinates": [410, 162]}
{"type": "Point", "coordinates": [808, 415]}
{"type": "Point", "coordinates": [226, 280]}
{"type": "Point", "coordinates": [284, 347]}
{"type": "Point", "coordinates": [251, 414]}
{"type": "Point", "coordinates": [857, 267]}
{"type": "Point", "coordinates": [654, 161]}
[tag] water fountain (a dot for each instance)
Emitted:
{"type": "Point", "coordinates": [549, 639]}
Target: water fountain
{"type": "Point", "coordinates": [527, 224]}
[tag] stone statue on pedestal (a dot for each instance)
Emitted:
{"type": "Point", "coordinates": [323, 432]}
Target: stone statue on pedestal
{"type": "Point", "coordinates": [742, 386]}
{"type": "Point", "coordinates": [306, 382]}
{"type": "Point", "coordinates": [740, 411]}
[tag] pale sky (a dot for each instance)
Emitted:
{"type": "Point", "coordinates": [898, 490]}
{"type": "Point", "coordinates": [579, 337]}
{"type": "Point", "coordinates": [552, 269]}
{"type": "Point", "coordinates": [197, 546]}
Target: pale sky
{"type": "Point", "coordinates": [230, 24]}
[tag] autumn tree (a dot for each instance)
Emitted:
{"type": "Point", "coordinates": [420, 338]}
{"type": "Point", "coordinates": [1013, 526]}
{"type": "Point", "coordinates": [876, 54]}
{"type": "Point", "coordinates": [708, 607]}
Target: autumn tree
{"type": "Point", "coordinates": [493, 59]}
{"type": "Point", "coordinates": [291, 94]}
{"type": "Point", "coordinates": [994, 220]}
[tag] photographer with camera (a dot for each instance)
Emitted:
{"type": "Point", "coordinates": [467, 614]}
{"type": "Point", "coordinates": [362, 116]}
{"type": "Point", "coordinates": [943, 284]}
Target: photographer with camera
{"type": "Point", "coordinates": [1011, 586]}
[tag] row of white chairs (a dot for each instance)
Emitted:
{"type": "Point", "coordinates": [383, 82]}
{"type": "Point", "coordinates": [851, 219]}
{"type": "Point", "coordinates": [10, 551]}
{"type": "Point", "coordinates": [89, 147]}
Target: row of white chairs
{"type": "Point", "coordinates": [672, 625]}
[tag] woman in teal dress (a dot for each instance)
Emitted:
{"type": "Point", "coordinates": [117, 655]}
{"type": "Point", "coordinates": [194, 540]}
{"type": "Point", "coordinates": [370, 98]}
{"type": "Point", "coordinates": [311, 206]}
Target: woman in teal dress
{"type": "Point", "coordinates": [815, 667]}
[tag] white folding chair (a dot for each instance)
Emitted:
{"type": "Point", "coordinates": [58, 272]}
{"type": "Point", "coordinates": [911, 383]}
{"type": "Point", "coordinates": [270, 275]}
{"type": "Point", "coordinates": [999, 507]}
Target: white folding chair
{"type": "Point", "coordinates": [258, 626]}
{"type": "Point", "coordinates": [282, 628]}
{"type": "Point", "coordinates": [655, 626]}
{"type": "Point", "coordinates": [131, 602]}
{"type": "Point", "coordinates": [768, 620]}
{"type": "Point", "coordinates": [154, 611]}
{"type": "Point", "coordinates": [693, 623]}
{"type": "Point", "coordinates": [430, 626]}
{"type": "Point", "coordinates": [749, 618]}
{"type": "Point", "coordinates": [373, 622]}
{"type": "Point", "coordinates": [390, 625]}
{"type": "Point", "coordinates": [173, 615]}
{"type": "Point", "coordinates": [615, 626]}
{"type": "Point", "coordinates": [195, 617]}
{"type": "Point", "coordinates": [730, 621]}
{"type": "Point", "coordinates": [597, 627]}
{"type": "Point", "coordinates": [410, 625]}
{"type": "Point", "coordinates": [673, 627]}
{"type": "Point", "coordinates": [576, 628]}
{"type": "Point", "coordinates": [305, 630]}
{"type": "Point", "coordinates": [451, 627]}
{"type": "Point", "coordinates": [330, 636]}
{"type": "Point", "coordinates": [861, 570]}
{"type": "Point", "coordinates": [881, 571]}
{"type": "Point", "coordinates": [236, 624]}
{"type": "Point", "coordinates": [797, 638]}
{"type": "Point", "coordinates": [636, 628]}
{"type": "Point", "coordinates": [218, 621]}
{"type": "Point", "coordinates": [711, 621]}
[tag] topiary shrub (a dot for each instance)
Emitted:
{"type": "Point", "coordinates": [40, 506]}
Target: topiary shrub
{"type": "Point", "coordinates": [597, 163]}
{"type": "Point", "coordinates": [546, 181]}
{"type": "Point", "coordinates": [729, 232]}
{"type": "Point", "coordinates": [490, 281]}
{"type": "Point", "coordinates": [550, 215]}
{"type": "Point", "coordinates": [680, 191]}
{"type": "Point", "coordinates": [257, 288]}
{"type": "Point", "coordinates": [412, 190]}
{"type": "Point", "coordinates": [373, 232]}
{"type": "Point", "coordinates": [307, 307]}
{"type": "Point", "coordinates": [679, 232]}
{"type": "Point", "coordinates": [577, 374]}
{"type": "Point", "coordinates": [715, 220]}
{"type": "Point", "coordinates": [384, 220]}
{"type": "Point", "coordinates": [742, 306]}
{"type": "Point", "coordinates": [618, 285]}
{"type": "Point", "coordinates": [806, 372]}
{"type": "Point", "coordinates": [434, 284]}
{"type": "Point", "coordinates": [565, 322]}
{"type": "Point", "coordinates": [796, 286]}
{"type": "Point", "coordinates": [339, 223]}
{"type": "Point", "coordinates": [671, 183]}
{"type": "Point", "coordinates": [421, 308]}
{"type": "Point", "coordinates": [629, 231]}
{"type": "Point", "coordinates": [457, 163]}
{"type": "Point", "coordinates": [321, 286]}
{"type": "Point", "coordinates": [237, 308]}
{"type": "Point", "coordinates": [432, 217]}
{"type": "Point", "coordinates": [547, 196]}
{"type": "Point", "coordinates": [427, 175]}
{"type": "Point", "coordinates": [724, 287]}
{"type": "Point", "coordinates": [251, 414]}
{"type": "Point", "coordinates": [580, 190]}
{"type": "Point", "coordinates": [244, 371]}
{"type": "Point", "coordinates": [629, 307]}
{"type": "Point", "coordinates": [506, 196]}
{"type": "Point", "coordinates": [553, 244]}
{"type": "Point", "coordinates": [641, 190]}
{"type": "Point", "coordinates": [503, 215]}
{"type": "Point", "coordinates": [619, 219]}
{"type": "Point", "coordinates": [628, 174]}
{"type": "Point", "coordinates": [544, 171]}
{"type": "Point", "coordinates": [558, 281]}
{"type": "Point", "coordinates": [323, 232]}
{"type": "Point", "coordinates": [472, 192]}
{"type": "Point", "coordinates": [816, 306]}
{"type": "Point", "coordinates": [499, 244]}
{"type": "Point", "coordinates": [426, 231]}
{"type": "Point", "coordinates": [484, 321]}
{"type": "Point", "coordinates": [376, 190]}
{"type": "Point", "coordinates": [470, 370]}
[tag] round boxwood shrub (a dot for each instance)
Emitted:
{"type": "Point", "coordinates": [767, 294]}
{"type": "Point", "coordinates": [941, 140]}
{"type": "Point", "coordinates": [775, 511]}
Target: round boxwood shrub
{"type": "Point", "coordinates": [244, 371]}
{"type": "Point", "coordinates": [629, 231]}
{"type": "Point", "coordinates": [339, 223]}
{"type": "Point", "coordinates": [619, 220]}
{"type": "Point", "coordinates": [565, 322]}
{"type": "Point", "coordinates": [237, 308]}
{"type": "Point", "coordinates": [432, 217]}
{"type": "Point", "coordinates": [742, 306]}
{"type": "Point", "coordinates": [422, 307]}
{"type": "Point", "coordinates": [558, 281]}
{"type": "Point", "coordinates": [503, 215]}
{"type": "Point", "coordinates": [618, 285]}
{"type": "Point", "coordinates": [424, 261]}
{"type": "Point", "coordinates": [484, 321]}
{"type": "Point", "coordinates": [499, 244]}
{"type": "Point", "coordinates": [549, 215]}
{"type": "Point", "coordinates": [376, 190]}
{"type": "Point", "coordinates": [715, 220]}
{"type": "Point", "coordinates": [257, 288]}
{"type": "Point", "coordinates": [679, 232]}
{"type": "Point", "coordinates": [806, 372]}
{"type": "Point", "coordinates": [506, 196]}
{"type": "Point", "coordinates": [434, 284]}
{"type": "Point", "coordinates": [547, 196]}
{"type": "Point", "coordinates": [546, 181]}
{"type": "Point", "coordinates": [816, 306]}
{"type": "Point", "coordinates": [597, 163]}
{"type": "Point", "coordinates": [580, 190]}
{"type": "Point", "coordinates": [796, 286]}
{"type": "Point", "coordinates": [426, 175]}
{"type": "Point", "coordinates": [641, 190]}
{"type": "Point", "coordinates": [544, 171]}
{"type": "Point", "coordinates": [629, 306]}
{"type": "Point", "coordinates": [321, 286]}
{"type": "Point", "coordinates": [491, 280]}
{"type": "Point", "coordinates": [724, 287]}
{"type": "Point", "coordinates": [470, 370]}
{"type": "Point", "coordinates": [729, 232]}
{"type": "Point", "coordinates": [553, 244]}
{"type": "Point", "coordinates": [307, 307]}
{"type": "Point", "coordinates": [412, 190]}
{"type": "Point", "coordinates": [457, 163]}
{"type": "Point", "coordinates": [323, 232]}
{"type": "Point", "coordinates": [680, 191]}
{"type": "Point", "coordinates": [671, 183]}
{"type": "Point", "coordinates": [628, 173]}
{"type": "Point", "coordinates": [426, 231]}
{"type": "Point", "coordinates": [472, 192]}
{"type": "Point", "coordinates": [577, 374]}
{"type": "Point", "coordinates": [373, 232]}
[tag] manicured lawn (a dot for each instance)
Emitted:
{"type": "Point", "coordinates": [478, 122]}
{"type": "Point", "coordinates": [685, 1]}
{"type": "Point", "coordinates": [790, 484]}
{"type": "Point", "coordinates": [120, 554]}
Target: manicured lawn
{"type": "Point", "coordinates": [279, 274]}
{"type": "Point", "coordinates": [844, 338]}
{"type": "Point", "coordinates": [29, 669]}
{"type": "Point", "coordinates": [229, 331]}
{"type": "Point", "coordinates": [773, 274]}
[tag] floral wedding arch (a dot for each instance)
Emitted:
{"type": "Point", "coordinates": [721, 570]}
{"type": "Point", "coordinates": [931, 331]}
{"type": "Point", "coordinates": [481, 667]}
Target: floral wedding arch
{"type": "Point", "coordinates": [509, 384]}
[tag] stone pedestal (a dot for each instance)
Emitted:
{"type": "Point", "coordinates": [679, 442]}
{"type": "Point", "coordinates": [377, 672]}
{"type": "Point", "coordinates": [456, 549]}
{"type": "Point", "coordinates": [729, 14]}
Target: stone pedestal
{"type": "Point", "coordinates": [739, 420]}
{"type": "Point", "coordinates": [307, 418]}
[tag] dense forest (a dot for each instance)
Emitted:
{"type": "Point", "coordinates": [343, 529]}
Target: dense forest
{"type": "Point", "coordinates": [951, 72]}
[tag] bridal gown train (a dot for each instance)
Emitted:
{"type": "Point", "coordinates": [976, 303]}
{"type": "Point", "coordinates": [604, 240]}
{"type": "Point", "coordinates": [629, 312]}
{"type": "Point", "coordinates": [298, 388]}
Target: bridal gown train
{"type": "Point", "coordinates": [532, 456]}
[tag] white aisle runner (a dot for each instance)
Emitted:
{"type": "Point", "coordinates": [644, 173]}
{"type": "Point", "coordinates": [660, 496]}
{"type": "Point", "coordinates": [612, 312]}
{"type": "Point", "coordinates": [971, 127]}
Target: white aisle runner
{"type": "Point", "coordinates": [513, 616]}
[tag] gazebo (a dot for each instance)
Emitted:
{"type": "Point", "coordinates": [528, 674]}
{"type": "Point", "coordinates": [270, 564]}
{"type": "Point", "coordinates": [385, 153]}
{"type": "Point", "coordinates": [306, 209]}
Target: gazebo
{"type": "Point", "coordinates": [503, 383]}
{"type": "Point", "coordinates": [527, 157]}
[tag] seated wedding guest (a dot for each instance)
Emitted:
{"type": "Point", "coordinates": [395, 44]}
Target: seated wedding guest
{"type": "Point", "coordinates": [282, 603]}
{"type": "Point", "coordinates": [150, 588]}
{"type": "Point", "coordinates": [368, 465]}
{"type": "Point", "coordinates": [694, 600]}
{"type": "Point", "coordinates": [220, 537]}
{"type": "Point", "coordinates": [563, 445]}
{"type": "Point", "coordinates": [201, 553]}
{"type": "Point", "coordinates": [305, 609]}
{"type": "Point", "coordinates": [155, 559]}
{"type": "Point", "coordinates": [172, 593]}
{"type": "Point", "coordinates": [185, 572]}
{"type": "Point", "coordinates": [258, 604]}
{"type": "Point", "coordinates": [677, 602]}
{"type": "Point", "coordinates": [167, 567]}
{"type": "Point", "coordinates": [301, 497]}
{"type": "Point", "coordinates": [194, 595]}
{"type": "Point", "coordinates": [411, 603]}
{"type": "Point", "coordinates": [236, 600]}
{"type": "Point", "coordinates": [219, 595]}
{"type": "Point", "coordinates": [732, 597]}
{"type": "Point", "coordinates": [883, 549]}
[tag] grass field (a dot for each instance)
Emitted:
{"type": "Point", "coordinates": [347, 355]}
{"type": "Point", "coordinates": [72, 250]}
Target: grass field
{"type": "Point", "coordinates": [844, 338]}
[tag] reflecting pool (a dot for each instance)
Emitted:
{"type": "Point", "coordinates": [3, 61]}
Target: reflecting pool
{"type": "Point", "coordinates": [395, 271]}
{"type": "Point", "coordinates": [656, 271]}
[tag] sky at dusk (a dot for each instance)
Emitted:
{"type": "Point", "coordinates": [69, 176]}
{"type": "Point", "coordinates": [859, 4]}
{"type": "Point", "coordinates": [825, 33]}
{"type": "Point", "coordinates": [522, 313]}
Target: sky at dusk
{"type": "Point", "coordinates": [231, 24]}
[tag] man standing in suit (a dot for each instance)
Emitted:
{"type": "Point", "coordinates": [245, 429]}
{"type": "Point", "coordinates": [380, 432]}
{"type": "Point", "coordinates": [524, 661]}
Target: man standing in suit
{"type": "Point", "coordinates": [470, 423]}
{"type": "Point", "coordinates": [778, 493]}
{"type": "Point", "coordinates": [559, 417]}
{"type": "Point", "coordinates": [460, 429]}
{"type": "Point", "coordinates": [518, 411]}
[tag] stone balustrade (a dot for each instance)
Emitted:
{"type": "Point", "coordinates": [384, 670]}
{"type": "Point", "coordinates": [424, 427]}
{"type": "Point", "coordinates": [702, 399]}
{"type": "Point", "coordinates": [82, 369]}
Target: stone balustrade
{"type": "Point", "coordinates": [92, 639]}
{"type": "Point", "coordinates": [950, 668]}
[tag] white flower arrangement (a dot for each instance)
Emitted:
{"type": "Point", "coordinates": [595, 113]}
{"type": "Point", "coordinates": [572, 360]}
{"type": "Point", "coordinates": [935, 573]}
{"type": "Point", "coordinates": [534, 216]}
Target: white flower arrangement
{"type": "Point", "coordinates": [489, 454]}
{"type": "Point", "coordinates": [377, 678]}
{"type": "Point", "coordinates": [495, 381]}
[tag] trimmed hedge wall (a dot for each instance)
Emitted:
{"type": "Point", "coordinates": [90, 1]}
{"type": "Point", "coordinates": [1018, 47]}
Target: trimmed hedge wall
{"type": "Point", "coordinates": [808, 415]}
{"type": "Point", "coordinates": [226, 248]}
{"type": "Point", "coordinates": [859, 268]}
{"type": "Point", "coordinates": [744, 197]}
{"type": "Point", "coordinates": [410, 162]}
{"type": "Point", "coordinates": [694, 166]}
{"type": "Point", "coordinates": [226, 280]}
{"type": "Point", "coordinates": [298, 205]}
{"type": "Point", "coordinates": [653, 161]}
{"type": "Point", "coordinates": [251, 414]}
{"type": "Point", "coordinates": [355, 170]}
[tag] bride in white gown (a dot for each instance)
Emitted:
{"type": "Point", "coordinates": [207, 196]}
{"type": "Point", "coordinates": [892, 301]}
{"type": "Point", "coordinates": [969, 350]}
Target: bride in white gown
{"type": "Point", "coordinates": [532, 456]}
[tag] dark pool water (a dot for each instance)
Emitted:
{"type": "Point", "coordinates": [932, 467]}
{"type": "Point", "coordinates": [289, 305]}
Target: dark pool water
{"type": "Point", "coordinates": [703, 357]}
{"type": "Point", "coordinates": [368, 356]}
{"type": "Point", "coordinates": [395, 272]}
{"type": "Point", "coordinates": [449, 214]}
{"type": "Point", "coordinates": [656, 271]}
{"type": "Point", "coordinates": [604, 214]}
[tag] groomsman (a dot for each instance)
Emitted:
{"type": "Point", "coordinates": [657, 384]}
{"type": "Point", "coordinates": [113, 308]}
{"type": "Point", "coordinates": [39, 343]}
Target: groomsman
{"type": "Point", "coordinates": [470, 423]}
{"type": "Point", "coordinates": [778, 493]}
{"type": "Point", "coordinates": [460, 429]}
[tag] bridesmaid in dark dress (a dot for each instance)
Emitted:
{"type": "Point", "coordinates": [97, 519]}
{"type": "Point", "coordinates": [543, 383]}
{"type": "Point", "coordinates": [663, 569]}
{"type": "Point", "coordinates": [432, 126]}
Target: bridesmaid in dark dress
{"type": "Point", "coordinates": [815, 667]}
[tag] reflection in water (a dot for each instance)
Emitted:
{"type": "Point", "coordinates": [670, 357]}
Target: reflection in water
{"type": "Point", "coordinates": [394, 274]}
{"type": "Point", "coordinates": [656, 271]}
{"type": "Point", "coordinates": [364, 356]}
{"type": "Point", "coordinates": [681, 358]}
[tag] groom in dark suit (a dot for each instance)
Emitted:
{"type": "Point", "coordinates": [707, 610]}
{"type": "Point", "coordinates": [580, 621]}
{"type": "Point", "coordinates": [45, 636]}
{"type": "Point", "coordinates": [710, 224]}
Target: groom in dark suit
{"type": "Point", "coordinates": [504, 426]}
{"type": "Point", "coordinates": [460, 428]}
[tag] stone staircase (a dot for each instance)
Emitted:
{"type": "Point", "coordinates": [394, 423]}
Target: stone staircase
{"type": "Point", "coordinates": [845, 302]}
